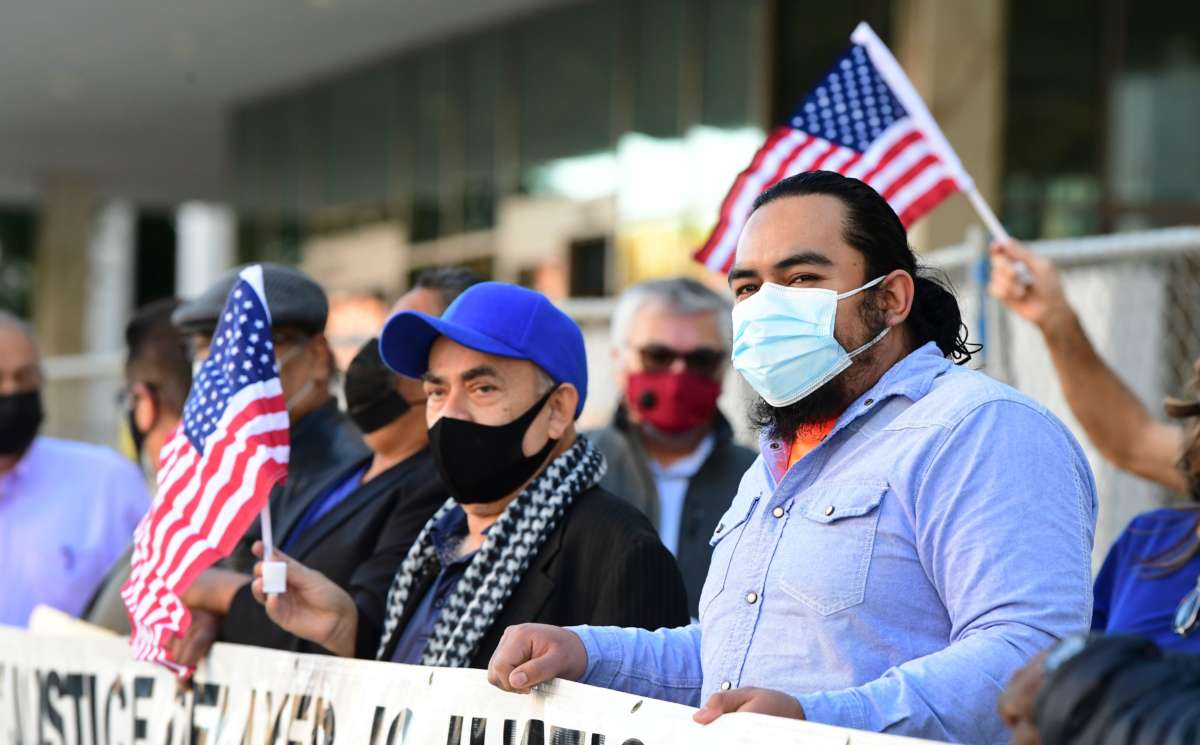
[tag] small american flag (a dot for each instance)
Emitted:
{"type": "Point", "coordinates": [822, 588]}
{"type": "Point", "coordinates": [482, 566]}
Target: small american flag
{"type": "Point", "coordinates": [217, 469]}
{"type": "Point", "coordinates": [864, 119]}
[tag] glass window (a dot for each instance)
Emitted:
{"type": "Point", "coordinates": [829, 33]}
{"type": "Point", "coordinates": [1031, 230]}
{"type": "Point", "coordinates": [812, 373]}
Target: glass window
{"type": "Point", "coordinates": [1154, 153]}
{"type": "Point", "coordinates": [431, 109]}
{"type": "Point", "coordinates": [656, 67]}
{"type": "Point", "coordinates": [1053, 130]}
{"type": "Point", "coordinates": [806, 43]}
{"type": "Point", "coordinates": [484, 60]}
{"type": "Point", "coordinates": [359, 117]}
{"type": "Point", "coordinates": [566, 59]}
{"type": "Point", "coordinates": [728, 62]}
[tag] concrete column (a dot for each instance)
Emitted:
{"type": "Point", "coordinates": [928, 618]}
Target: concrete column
{"type": "Point", "coordinates": [955, 53]}
{"type": "Point", "coordinates": [205, 238]}
{"type": "Point", "coordinates": [61, 266]}
{"type": "Point", "coordinates": [110, 278]}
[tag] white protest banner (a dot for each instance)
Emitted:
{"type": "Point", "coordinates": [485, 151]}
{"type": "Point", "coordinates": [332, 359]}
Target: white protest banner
{"type": "Point", "coordinates": [88, 690]}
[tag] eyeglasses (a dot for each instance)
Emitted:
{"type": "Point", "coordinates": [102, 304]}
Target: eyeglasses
{"type": "Point", "coordinates": [702, 360]}
{"type": "Point", "coordinates": [1187, 615]}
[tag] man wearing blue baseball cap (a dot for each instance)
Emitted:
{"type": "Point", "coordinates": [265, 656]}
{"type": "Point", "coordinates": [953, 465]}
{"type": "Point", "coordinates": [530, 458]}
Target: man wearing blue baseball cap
{"type": "Point", "coordinates": [528, 535]}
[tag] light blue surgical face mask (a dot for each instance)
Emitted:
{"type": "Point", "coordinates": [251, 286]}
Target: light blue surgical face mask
{"type": "Point", "coordinates": [783, 343]}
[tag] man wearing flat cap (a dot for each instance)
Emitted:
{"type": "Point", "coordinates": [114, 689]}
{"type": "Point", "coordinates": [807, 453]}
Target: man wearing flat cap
{"type": "Point", "coordinates": [527, 535]}
{"type": "Point", "coordinates": [325, 446]}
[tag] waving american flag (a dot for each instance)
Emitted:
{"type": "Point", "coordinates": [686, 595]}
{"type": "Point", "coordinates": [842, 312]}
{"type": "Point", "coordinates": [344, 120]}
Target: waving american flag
{"type": "Point", "coordinates": [863, 119]}
{"type": "Point", "coordinates": [216, 472]}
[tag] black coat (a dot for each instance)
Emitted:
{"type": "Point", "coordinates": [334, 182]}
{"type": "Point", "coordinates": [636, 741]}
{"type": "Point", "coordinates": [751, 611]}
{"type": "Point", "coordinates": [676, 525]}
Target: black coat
{"type": "Point", "coordinates": [324, 446]}
{"type": "Point", "coordinates": [360, 542]}
{"type": "Point", "coordinates": [709, 493]}
{"type": "Point", "coordinates": [603, 566]}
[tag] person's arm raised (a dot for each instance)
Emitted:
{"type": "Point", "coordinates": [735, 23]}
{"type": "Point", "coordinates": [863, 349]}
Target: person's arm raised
{"type": "Point", "coordinates": [312, 608]}
{"type": "Point", "coordinates": [1116, 422]}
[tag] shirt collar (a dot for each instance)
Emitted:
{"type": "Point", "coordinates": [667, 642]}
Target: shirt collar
{"type": "Point", "coordinates": [689, 465]}
{"type": "Point", "coordinates": [911, 377]}
{"type": "Point", "coordinates": [448, 531]}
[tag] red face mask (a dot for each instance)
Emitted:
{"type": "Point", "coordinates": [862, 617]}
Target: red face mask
{"type": "Point", "coordinates": [673, 402]}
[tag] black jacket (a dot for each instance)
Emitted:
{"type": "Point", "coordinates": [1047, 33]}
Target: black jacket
{"type": "Point", "coordinates": [361, 540]}
{"type": "Point", "coordinates": [709, 493]}
{"type": "Point", "coordinates": [602, 566]}
{"type": "Point", "coordinates": [325, 446]}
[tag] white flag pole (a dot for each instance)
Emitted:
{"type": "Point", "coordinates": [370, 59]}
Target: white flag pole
{"type": "Point", "coordinates": [893, 74]}
{"type": "Point", "coordinates": [274, 573]}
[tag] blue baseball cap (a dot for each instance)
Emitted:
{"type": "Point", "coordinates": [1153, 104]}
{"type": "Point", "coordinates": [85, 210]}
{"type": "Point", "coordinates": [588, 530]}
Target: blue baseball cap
{"type": "Point", "coordinates": [493, 318]}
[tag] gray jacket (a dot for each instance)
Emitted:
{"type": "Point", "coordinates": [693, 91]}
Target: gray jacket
{"type": "Point", "coordinates": [709, 493]}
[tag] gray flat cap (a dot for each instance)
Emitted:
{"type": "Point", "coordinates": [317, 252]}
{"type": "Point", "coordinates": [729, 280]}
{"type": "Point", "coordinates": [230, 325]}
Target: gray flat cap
{"type": "Point", "coordinates": [293, 297]}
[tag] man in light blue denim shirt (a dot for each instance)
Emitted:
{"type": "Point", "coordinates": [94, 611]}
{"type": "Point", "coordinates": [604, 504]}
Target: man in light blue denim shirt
{"type": "Point", "coordinates": [892, 577]}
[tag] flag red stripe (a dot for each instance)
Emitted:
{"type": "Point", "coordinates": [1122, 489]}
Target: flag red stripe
{"type": "Point", "coordinates": [167, 534]}
{"type": "Point", "coordinates": [928, 200]}
{"type": "Point", "coordinates": [162, 509]}
{"type": "Point", "coordinates": [217, 501]}
{"type": "Point", "coordinates": [891, 154]}
{"type": "Point", "coordinates": [816, 164]}
{"type": "Point", "coordinates": [909, 175]}
{"type": "Point", "coordinates": [159, 539]}
{"type": "Point", "coordinates": [268, 474]}
{"type": "Point", "coordinates": [717, 234]}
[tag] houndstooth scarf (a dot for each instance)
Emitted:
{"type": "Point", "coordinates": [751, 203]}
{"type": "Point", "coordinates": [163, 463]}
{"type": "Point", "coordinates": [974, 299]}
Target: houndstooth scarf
{"type": "Point", "coordinates": [498, 565]}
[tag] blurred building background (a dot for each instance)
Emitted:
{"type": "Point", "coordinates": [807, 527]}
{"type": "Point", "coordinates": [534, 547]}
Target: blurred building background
{"type": "Point", "coordinates": [573, 146]}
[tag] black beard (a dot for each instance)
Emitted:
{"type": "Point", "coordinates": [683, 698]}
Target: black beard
{"type": "Point", "coordinates": [830, 400]}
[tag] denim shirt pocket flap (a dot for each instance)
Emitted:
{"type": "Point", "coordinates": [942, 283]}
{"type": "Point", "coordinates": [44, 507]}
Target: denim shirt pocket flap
{"type": "Point", "coordinates": [829, 503]}
{"type": "Point", "coordinates": [737, 514]}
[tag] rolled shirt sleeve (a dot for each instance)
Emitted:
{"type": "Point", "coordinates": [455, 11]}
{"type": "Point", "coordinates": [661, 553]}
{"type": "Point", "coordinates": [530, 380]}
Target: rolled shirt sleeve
{"type": "Point", "coordinates": [662, 664]}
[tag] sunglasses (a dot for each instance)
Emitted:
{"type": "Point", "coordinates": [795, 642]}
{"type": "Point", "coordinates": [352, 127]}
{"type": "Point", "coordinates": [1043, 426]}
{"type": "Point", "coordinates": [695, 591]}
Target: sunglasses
{"type": "Point", "coordinates": [1187, 615]}
{"type": "Point", "coordinates": [703, 360]}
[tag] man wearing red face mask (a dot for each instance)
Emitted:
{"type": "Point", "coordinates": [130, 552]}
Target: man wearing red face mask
{"type": "Point", "coordinates": [669, 449]}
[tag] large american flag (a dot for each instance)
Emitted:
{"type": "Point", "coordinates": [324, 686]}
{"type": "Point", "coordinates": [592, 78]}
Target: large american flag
{"type": "Point", "coordinates": [216, 470]}
{"type": "Point", "coordinates": [863, 119]}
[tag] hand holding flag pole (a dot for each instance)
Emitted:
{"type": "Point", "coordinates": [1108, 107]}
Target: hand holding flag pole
{"type": "Point", "coordinates": [274, 573]}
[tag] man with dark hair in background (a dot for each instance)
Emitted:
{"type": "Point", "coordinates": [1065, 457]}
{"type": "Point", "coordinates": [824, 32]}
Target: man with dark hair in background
{"type": "Point", "coordinates": [158, 375]}
{"type": "Point", "coordinates": [912, 532]}
{"type": "Point", "coordinates": [437, 287]}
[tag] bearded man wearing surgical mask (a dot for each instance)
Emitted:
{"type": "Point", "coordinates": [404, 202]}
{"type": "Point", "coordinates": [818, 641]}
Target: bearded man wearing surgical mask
{"type": "Point", "coordinates": [67, 509]}
{"type": "Point", "coordinates": [912, 531]}
{"type": "Point", "coordinates": [527, 534]}
{"type": "Point", "coordinates": [669, 448]}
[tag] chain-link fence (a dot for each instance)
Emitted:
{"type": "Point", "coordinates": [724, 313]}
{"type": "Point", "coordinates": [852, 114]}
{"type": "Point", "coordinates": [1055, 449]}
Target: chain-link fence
{"type": "Point", "coordinates": [1136, 296]}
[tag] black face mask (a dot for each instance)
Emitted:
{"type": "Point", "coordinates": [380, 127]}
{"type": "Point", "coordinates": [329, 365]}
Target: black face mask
{"type": "Point", "coordinates": [20, 417]}
{"type": "Point", "coordinates": [481, 463]}
{"type": "Point", "coordinates": [135, 434]}
{"type": "Point", "coordinates": [372, 401]}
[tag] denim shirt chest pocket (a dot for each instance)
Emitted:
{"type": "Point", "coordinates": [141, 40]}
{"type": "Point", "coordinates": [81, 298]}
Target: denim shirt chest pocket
{"type": "Point", "coordinates": [825, 553]}
{"type": "Point", "coordinates": [724, 542]}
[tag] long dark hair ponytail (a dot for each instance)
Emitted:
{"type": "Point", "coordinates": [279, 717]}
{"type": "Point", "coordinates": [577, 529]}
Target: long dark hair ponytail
{"type": "Point", "coordinates": [873, 228]}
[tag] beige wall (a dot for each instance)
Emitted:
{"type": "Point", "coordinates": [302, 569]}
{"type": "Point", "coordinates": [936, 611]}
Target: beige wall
{"type": "Point", "coordinates": [954, 52]}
